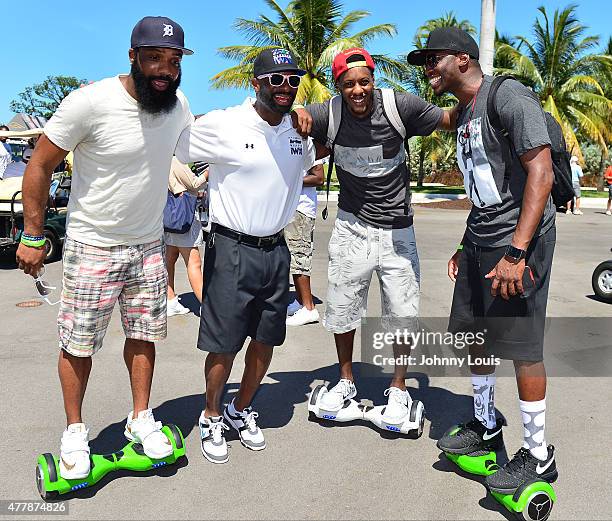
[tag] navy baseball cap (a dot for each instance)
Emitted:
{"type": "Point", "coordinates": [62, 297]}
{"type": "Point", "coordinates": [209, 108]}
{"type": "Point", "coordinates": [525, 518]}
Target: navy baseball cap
{"type": "Point", "coordinates": [159, 31]}
{"type": "Point", "coordinates": [445, 39]}
{"type": "Point", "coordinates": [275, 60]}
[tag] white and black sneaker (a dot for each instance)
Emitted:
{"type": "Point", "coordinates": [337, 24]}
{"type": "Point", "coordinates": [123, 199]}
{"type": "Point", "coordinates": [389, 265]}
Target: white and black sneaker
{"type": "Point", "coordinates": [522, 469]}
{"type": "Point", "coordinates": [214, 446]}
{"type": "Point", "coordinates": [246, 425]}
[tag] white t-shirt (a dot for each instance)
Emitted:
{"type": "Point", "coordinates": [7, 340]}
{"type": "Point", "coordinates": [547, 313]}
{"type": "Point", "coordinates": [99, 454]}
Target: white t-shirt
{"type": "Point", "coordinates": [307, 204]}
{"type": "Point", "coordinates": [256, 169]}
{"type": "Point", "coordinates": [122, 159]}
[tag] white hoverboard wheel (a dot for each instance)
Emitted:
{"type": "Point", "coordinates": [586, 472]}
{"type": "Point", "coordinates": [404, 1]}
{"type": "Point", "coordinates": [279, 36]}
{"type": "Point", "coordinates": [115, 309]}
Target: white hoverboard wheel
{"type": "Point", "coordinates": [417, 414]}
{"type": "Point", "coordinates": [314, 399]}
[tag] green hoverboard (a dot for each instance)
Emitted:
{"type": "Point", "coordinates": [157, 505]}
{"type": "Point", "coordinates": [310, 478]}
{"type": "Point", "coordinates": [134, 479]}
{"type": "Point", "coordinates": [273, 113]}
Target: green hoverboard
{"type": "Point", "coordinates": [132, 457]}
{"type": "Point", "coordinates": [532, 501]}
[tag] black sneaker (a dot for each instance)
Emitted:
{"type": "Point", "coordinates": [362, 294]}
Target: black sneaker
{"type": "Point", "coordinates": [523, 468]}
{"type": "Point", "coordinates": [472, 439]}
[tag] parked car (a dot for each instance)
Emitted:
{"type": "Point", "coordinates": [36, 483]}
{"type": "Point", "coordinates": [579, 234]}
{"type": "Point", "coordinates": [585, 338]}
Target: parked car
{"type": "Point", "coordinates": [602, 281]}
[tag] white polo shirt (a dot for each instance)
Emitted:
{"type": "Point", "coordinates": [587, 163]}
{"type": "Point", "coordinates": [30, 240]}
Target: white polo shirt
{"type": "Point", "coordinates": [256, 170]}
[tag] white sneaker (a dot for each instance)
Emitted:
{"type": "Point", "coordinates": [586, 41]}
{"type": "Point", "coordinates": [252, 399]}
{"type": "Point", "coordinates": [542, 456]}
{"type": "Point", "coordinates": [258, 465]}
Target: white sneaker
{"type": "Point", "coordinates": [174, 307]}
{"type": "Point", "coordinates": [341, 392]}
{"type": "Point", "coordinates": [398, 405]}
{"type": "Point", "coordinates": [214, 446]}
{"type": "Point", "coordinates": [303, 316]}
{"type": "Point", "coordinates": [608, 212]}
{"type": "Point", "coordinates": [74, 452]}
{"type": "Point", "coordinates": [568, 212]}
{"type": "Point", "coordinates": [245, 423]}
{"type": "Point", "coordinates": [578, 212]}
{"type": "Point", "coordinates": [293, 308]}
{"type": "Point", "coordinates": [146, 431]}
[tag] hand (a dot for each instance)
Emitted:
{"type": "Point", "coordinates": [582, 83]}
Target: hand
{"type": "Point", "coordinates": [453, 266]}
{"type": "Point", "coordinates": [302, 121]}
{"type": "Point", "coordinates": [30, 260]}
{"type": "Point", "coordinates": [507, 278]}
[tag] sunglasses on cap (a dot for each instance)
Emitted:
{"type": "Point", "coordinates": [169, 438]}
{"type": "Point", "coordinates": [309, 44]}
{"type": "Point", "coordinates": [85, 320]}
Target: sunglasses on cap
{"type": "Point", "coordinates": [276, 79]}
{"type": "Point", "coordinates": [431, 60]}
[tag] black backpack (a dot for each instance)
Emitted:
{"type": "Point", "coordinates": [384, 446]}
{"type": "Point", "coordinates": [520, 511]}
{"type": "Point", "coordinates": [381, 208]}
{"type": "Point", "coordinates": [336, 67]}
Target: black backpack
{"type": "Point", "coordinates": [562, 189]}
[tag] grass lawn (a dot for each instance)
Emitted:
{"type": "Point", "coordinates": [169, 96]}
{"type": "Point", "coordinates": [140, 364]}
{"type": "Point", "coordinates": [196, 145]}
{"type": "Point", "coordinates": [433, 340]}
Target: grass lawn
{"type": "Point", "coordinates": [593, 193]}
{"type": "Point", "coordinates": [438, 189]}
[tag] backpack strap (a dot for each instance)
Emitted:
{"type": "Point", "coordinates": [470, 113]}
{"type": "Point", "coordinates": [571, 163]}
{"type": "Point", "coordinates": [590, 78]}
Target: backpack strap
{"type": "Point", "coordinates": [334, 120]}
{"type": "Point", "coordinates": [333, 125]}
{"type": "Point", "coordinates": [394, 118]}
{"type": "Point", "coordinates": [390, 108]}
{"type": "Point", "coordinates": [497, 124]}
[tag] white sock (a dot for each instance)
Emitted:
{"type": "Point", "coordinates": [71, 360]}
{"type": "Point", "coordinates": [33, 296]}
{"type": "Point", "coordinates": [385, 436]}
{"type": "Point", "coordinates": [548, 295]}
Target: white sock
{"type": "Point", "coordinates": [534, 419]}
{"type": "Point", "coordinates": [484, 398]}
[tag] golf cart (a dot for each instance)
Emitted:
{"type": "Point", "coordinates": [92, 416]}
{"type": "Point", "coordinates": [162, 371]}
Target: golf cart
{"type": "Point", "coordinates": [11, 208]}
{"type": "Point", "coordinates": [602, 281]}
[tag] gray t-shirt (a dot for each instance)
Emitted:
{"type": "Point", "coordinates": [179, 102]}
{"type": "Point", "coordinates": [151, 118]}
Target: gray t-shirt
{"type": "Point", "coordinates": [498, 197]}
{"type": "Point", "coordinates": [370, 158]}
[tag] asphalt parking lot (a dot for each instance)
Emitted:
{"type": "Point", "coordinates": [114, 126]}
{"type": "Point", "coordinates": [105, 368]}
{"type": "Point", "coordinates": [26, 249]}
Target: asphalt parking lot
{"type": "Point", "coordinates": [309, 470]}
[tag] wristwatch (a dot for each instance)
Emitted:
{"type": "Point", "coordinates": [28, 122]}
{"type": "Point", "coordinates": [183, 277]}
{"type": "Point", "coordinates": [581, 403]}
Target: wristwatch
{"type": "Point", "coordinates": [514, 255]}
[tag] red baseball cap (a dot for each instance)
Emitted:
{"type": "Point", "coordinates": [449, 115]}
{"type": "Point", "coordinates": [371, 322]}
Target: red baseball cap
{"type": "Point", "coordinates": [351, 58]}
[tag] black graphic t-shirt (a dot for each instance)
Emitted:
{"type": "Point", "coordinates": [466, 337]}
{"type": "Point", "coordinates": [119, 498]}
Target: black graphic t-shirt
{"type": "Point", "coordinates": [370, 158]}
{"type": "Point", "coordinates": [498, 197]}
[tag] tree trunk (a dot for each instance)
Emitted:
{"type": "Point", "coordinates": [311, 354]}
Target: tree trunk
{"type": "Point", "coordinates": [487, 35]}
{"type": "Point", "coordinates": [600, 177]}
{"type": "Point", "coordinates": [421, 167]}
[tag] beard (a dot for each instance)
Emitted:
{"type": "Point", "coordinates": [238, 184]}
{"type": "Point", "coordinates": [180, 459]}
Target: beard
{"type": "Point", "coordinates": [266, 98]}
{"type": "Point", "coordinates": [149, 99]}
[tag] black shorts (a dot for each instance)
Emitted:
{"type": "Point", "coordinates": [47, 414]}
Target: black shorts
{"type": "Point", "coordinates": [246, 294]}
{"type": "Point", "coordinates": [514, 327]}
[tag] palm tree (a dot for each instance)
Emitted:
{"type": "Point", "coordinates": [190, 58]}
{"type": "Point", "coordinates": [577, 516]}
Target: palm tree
{"type": "Point", "coordinates": [438, 146]}
{"type": "Point", "coordinates": [487, 35]}
{"type": "Point", "coordinates": [314, 31]}
{"type": "Point", "coordinates": [561, 71]}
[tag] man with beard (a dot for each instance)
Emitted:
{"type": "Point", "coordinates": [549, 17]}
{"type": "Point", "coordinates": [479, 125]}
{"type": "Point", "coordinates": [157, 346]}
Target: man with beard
{"type": "Point", "coordinates": [256, 162]}
{"type": "Point", "coordinates": [123, 132]}
{"type": "Point", "coordinates": [502, 265]}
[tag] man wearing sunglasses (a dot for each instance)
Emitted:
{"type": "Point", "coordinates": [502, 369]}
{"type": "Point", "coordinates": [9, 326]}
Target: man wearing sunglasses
{"type": "Point", "coordinates": [373, 230]}
{"type": "Point", "coordinates": [502, 267]}
{"type": "Point", "coordinates": [257, 160]}
{"type": "Point", "coordinates": [123, 131]}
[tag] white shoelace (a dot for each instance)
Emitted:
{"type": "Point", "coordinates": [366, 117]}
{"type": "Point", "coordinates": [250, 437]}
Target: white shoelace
{"type": "Point", "coordinates": [343, 388]}
{"type": "Point", "coordinates": [216, 429]}
{"type": "Point", "coordinates": [397, 395]}
{"type": "Point", "coordinates": [249, 420]}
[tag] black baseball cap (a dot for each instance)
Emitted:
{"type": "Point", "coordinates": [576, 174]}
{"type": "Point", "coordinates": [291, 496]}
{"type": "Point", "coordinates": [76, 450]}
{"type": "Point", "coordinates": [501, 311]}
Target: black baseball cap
{"type": "Point", "coordinates": [445, 39]}
{"type": "Point", "coordinates": [275, 60]}
{"type": "Point", "coordinates": [159, 31]}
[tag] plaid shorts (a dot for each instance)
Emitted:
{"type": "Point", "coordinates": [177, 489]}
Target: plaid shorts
{"type": "Point", "coordinates": [95, 277]}
{"type": "Point", "coordinates": [299, 235]}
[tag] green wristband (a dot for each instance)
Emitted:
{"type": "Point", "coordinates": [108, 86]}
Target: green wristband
{"type": "Point", "coordinates": [460, 247]}
{"type": "Point", "coordinates": [297, 106]}
{"type": "Point", "coordinates": [33, 244]}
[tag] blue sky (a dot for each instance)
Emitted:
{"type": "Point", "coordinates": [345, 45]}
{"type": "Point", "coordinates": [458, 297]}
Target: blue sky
{"type": "Point", "coordinates": [91, 39]}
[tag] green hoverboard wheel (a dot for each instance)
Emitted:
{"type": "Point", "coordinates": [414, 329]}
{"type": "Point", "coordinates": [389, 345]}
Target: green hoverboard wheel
{"type": "Point", "coordinates": [132, 457]}
{"type": "Point", "coordinates": [531, 502]}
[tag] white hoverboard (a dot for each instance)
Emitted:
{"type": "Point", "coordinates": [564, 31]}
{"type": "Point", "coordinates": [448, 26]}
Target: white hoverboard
{"type": "Point", "coordinates": [412, 423]}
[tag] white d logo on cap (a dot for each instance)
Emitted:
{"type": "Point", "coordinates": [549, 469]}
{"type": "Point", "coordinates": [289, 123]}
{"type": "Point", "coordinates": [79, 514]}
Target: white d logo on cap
{"type": "Point", "coordinates": [168, 30]}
